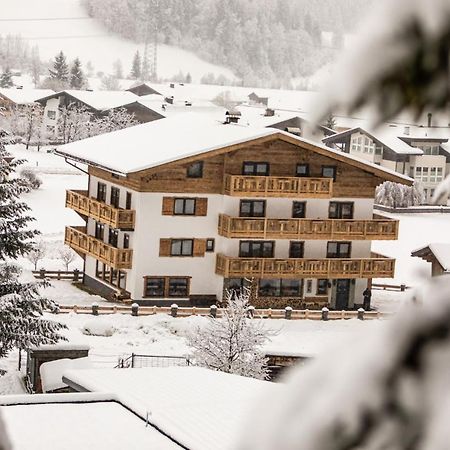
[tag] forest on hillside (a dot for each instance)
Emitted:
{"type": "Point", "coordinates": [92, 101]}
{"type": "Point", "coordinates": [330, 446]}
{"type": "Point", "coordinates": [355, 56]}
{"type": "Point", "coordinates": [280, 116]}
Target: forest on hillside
{"type": "Point", "coordinates": [265, 42]}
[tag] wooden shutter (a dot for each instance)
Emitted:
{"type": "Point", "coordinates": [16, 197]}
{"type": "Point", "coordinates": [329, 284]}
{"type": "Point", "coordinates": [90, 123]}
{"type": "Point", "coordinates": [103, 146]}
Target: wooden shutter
{"type": "Point", "coordinates": [201, 206]}
{"type": "Point", "coordinates": [164, 247]}
{"type": "Point", "coordinates": [199, 247]}
{"type": "Point", "coordinates": [167, 206]}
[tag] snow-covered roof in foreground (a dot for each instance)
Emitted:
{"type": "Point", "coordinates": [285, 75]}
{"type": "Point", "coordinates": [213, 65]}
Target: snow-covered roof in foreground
{"type": "Point", "coordinates": [441, 251]}
{"type": "Point", "coordinates": [77, 421]}
{"type": "Point", "coordinates": [24, 96]}
{"type": "Point", "coordinates": [166, 140]}
{"type": "Point", "coordinates": [200, 408]}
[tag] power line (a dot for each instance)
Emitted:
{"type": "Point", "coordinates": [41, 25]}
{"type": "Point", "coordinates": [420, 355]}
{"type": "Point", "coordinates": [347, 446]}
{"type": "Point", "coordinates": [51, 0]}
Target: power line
{"type": "Point", "coordinates": [41, 19]}
{"type": "Point", "coordinates": [66, 37]}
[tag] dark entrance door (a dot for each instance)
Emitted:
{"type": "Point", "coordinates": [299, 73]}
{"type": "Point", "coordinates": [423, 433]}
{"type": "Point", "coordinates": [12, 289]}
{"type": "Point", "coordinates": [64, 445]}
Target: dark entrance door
{"type": "Point", "coordinates": [342, 294]}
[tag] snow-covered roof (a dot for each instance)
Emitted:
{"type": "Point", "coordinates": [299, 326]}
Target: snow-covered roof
{"type": "Point", "coordinates": [255, 116]}
{"type": "Point", "coordinates": [441, 251]}
{"type": "Point", "coordinates": [99, 100]}
{"type": "Point", "coordinates": [24, 96]}
{"type": "Point", "coordinates": [200, 408]}
{"type": "Point", "coordinates": [77, 421]}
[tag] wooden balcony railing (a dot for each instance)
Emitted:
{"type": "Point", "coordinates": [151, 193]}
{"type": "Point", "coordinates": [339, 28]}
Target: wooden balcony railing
{"type": "Point", "coordinates": [304, 268]}
{"type": "Point", "coordinates": [107, 214]}
{"type": "Point", "coordinates": [254, 186]}
{"type": "Point", "coordinates": [80, 241]}
{"type": "Point", "coordinates": [262, 228]}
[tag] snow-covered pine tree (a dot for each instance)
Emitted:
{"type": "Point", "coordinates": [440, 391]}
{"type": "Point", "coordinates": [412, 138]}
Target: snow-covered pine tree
{"type": "Point", "coordinates": [135, 73]}
{"type": "Point", "coordinates": [6, 79]}
{"type": "Point", "coordinates": [60, 69]}
{"type": "Point", "coordinates": [330, 122]}
{"type": "Point", "coordinates": [77, 78]}
{"type": "Point", "coordinates": [231, 343]}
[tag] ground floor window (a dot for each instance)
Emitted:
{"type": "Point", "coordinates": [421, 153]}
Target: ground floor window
{"type": "Point", "coordinates": [322, 287]}
{"type": "Point", "coordinates": [280, 288]}
{"type": "Point", "coordinates": [166, 287]}
{"type": "Point", "coordinates": [114, 277]}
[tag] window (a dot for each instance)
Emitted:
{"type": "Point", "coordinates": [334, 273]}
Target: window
{"type": "Point", "coordinates": [184, 206]}
{"type": "Point", "coordinates": [51, 114]}
{"type": "Point", "coordinates": [113, 237]}
{"type": "Point", "coordinates": [296, 249]}
{"type": "Point", "coordinates": [308, 286]}
{"type": "Point", "coordinates": [340, 210]}
{"type": "Point", "coordinates": [235, 285]}
{"type": "Point", "coordinates": [210, 243]}
{"type": "Point", "coordinates": [302, 170]}
{"type": "Point", "coordinates": [298, 210]}
{"type": "Point", "coordinates": [181, 247]}
{"type": "Point", "coordinates": [252, 208]}
{"type": "Point", "coordinates": [338, 250]}
{"type": "Point", "coordinates": [101, 192]}
{"type": "Point", "coordinates": [128, 201]}
{"type": "Point", "coordinates": [261, 169]}
{"type": "Point", "coordinates": [115, 196]}
{"type": "Point", "coordinates": [329, 172]}
{"type": "Point", "coordinates": [256, 249]}
{"type": "Point", "coordinates": [280, 288]}
{"type": "Point", "coordinates": [195, 170]}
{"type": "Point", "coordinates": [154, 287]}
{"type": "Point", "coordinates": [322, 287]}
{"type": "Point", "coordinates": [126, 240]}
{"type": "Point", "coordinates": [178, 287]}
{"type": "Point", "coordinates": [99, 231]}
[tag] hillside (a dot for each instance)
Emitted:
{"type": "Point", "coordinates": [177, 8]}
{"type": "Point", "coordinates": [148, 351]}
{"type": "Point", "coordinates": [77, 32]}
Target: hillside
{"type": "Point", "coordinates": [53, 25]}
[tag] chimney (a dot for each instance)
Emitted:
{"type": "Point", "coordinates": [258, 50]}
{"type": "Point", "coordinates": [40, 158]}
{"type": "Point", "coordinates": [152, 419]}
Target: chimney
{"type": "Point", "coordinates": [430, 116]}
{"type": "Point", "coordinates": [269, 112]}
{"type": "Point", "coordinates": [169, 100]}
{"type": "Point", "coordinates": [406, 131]}
{"type": "Point", "coordinates": [232, 116]}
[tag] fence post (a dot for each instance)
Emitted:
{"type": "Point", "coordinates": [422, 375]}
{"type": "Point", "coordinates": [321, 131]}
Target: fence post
{"type": "Point", "coordinates": [135, 309]}
{"type": "Point", "coordinates": [325, 312]}
{"type": "Point", "coordinates": [402, 288]}
{"type": "Point", "coordinates": [288, 312]}
{"type": "Point", "coordinates": [361, 313]}
{"type": "Point", "coordinates": [59, 275]}
{"type": "Point", "coordinates": [132, 360]}
{"type": "Point", "coordinates": [213, 311]}
{"type": "Point", "coordinates": [42, 273]}
{"type": "Point", "coordinates": [250, 311]}
{"type": "Point", "coordinates": [76, 274]}
{"type": "Point", "coordinates": [95, 308]}
{"type": "Point", "coordinates": [174, 310]}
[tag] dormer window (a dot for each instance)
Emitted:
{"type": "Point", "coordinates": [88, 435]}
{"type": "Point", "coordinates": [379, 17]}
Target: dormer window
{"type": "Point", "coordinates": [195, 170]}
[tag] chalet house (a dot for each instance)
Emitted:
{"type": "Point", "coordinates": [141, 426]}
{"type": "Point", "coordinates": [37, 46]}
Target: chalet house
{"type": "Point", "coordinates": [438, 255]}
{"type": "Point", "coordinates": [418, 152]}
{"type": "Point", "coordinates": [141, 89]}
{"type": "Point", "coordinates": [193, 207]}
{"type": "Point", "coordinates": [11, 98]}
{"type": "Point", "coordinates": [99, 103]}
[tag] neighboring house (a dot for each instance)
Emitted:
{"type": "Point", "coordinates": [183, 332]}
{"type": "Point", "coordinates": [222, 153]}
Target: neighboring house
{"type": "Point", "coordinates": [192, 207]}
{"type": "Point", "coordinates": [15, 98]}
{"type": "Point", "coordinates": [438, 255]}
{"type": "Point", "coordinates": [255, 99]}
{"type": "Point", "coordinates": [140, 89]}
{"type": "Point", "coordinates": [99, 103]}
{"type": "Point", "coordinates": [418, 152]}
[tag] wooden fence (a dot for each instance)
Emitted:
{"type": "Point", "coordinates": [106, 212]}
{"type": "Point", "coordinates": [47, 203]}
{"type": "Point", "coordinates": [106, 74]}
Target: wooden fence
{"type": "Point", "coordinates": [213, 311]}
{"type": "Point", "coordinates": [74, 275]}
{"type": "Point", "coordinates": [390, 287]}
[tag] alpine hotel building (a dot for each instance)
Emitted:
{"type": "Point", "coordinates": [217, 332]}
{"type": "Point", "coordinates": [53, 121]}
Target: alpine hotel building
{"type": "Point", "coordinates": [181, 209]}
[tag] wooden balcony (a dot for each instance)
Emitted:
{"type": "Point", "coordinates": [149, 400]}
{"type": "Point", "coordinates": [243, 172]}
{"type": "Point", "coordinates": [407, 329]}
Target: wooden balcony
{"type": "Point", "coordinates": [120, 218]}
{"type": "Point", "coordinates": [80, 241]}
{"type": "Point", "coordinates": [304, 268]}
{"type": "Point", "coordinates": [338, 229]}
{"type": "Point", "coordinates": [253, 186]}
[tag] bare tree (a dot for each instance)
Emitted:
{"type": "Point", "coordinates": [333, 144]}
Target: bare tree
{"type": "Point", "coordinates": [32, 119]}
{"type": "Point", "coordinates": [37, 253]}
{"type": "Point", "coordinates": [67, 256]}
{"type": "Point", "coordinates": [72, 122]}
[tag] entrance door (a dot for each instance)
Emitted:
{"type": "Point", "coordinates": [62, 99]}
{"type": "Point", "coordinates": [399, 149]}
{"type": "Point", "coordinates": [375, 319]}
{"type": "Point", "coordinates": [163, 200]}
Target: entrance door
{"type": "Point", "coordinates": [342, 294]}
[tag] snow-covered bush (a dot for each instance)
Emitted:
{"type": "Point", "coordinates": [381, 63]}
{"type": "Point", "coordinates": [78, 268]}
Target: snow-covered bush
{"type": "Point", "coordinates": [231, 344]}
{"type": "Point", "coordinates": [98, 327]}
{"type": "Point", "coordinates": [31, 177]}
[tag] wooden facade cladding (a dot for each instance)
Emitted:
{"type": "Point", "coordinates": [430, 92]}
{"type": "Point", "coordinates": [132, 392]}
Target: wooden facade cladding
{"type": "Point", "coordinates": [292, 268]}
{"type": "Point", "coordinates": [292, 187]}
{"type": "Point", "coordinates": [168, 204]}
{"type": "Point", "coordinates": [120, 218]}
{"type": "Point", "coordinates": [80, 241]}
{"type": "Point", "coordinates": [198, 248]}
{"type": "Point", "coordinates": [336, 229]}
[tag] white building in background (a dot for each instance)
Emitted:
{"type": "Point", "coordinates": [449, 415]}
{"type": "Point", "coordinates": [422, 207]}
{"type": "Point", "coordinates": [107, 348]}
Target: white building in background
{"type": "Point", "coordinates": [181, 209]}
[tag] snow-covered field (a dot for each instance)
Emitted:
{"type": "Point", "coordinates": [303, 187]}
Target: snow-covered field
{"type": "Point", "coordinates": [90, 40]}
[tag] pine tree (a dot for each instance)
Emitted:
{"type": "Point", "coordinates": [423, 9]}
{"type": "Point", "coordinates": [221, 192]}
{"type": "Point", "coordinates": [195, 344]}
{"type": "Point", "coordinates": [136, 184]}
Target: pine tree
{"type": "Point", "coordinates": [6, 79]}
{"type": "Point", "coordinates": [330, 122]}
{"type": "Point", "coordinates": [136, 67]}
{"type": "Point", "coordinates": [77, 79]}
{"type": "Point", "coordinates": [60, 69]}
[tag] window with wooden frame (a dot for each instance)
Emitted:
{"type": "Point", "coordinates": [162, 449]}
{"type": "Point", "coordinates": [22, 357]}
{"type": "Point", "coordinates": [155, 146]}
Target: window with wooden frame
{"type": "Point", "coordinates": [302, 170]}
{"type": "Point", "coordinates": [101, 192]}
{"type": "Point", "coordinates": [210, 244]}
{"type": "Point", "coordinates": [280, 288]}
{"type": "Point", "coordinates": [338, 249]}
{"type": "Point", "coordinates": [126, 240]}
{"type": "Point", "coordinates": [178, 287]}
{"type": "Point", "coordinates": [184, 206]}
{"type": "Point", "coordinates": [322, 287]}
{"type": "Point", "coordinates": [182, 247]}
{"type": "Point", "coordinates": [256, 249]}
{"type": "Point", "coordinates": [195, 170]}
{"type": "Point", "coordinates": [252, 208]}
{"type": "Point", "coordinates": [329, 172]}
{"type": "Point", "coordinates": [99, 231]}
{"type": "Point", "coordinates": [252, 168]}
{"type": "Point", "coordinates": [115, 196]}
{"type": "Point", "coordinates": [298, 210]}
{"type": "Point", "coordinates": [166, 287]}
{"type": "Point", "coordinates": [154, 286]}
{"type": "Point", "coordinates": [340, 210]}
